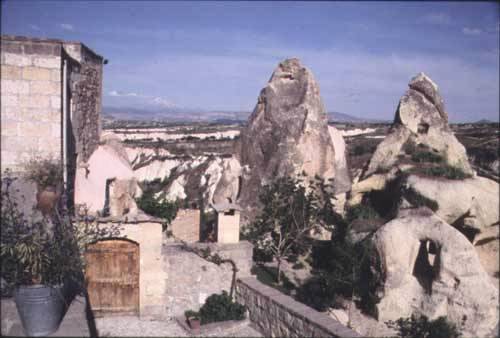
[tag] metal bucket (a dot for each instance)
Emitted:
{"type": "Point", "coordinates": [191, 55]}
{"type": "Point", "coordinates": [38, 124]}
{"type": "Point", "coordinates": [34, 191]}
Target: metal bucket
{"type": "Point", "coordinates": [40, 308]}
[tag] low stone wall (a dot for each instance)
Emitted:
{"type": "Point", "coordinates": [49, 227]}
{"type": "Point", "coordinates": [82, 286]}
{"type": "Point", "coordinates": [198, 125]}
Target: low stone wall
{"type": "Point", "coordinates": [191, 278]}
{"type": "Point", "coordinates": [278, 315]}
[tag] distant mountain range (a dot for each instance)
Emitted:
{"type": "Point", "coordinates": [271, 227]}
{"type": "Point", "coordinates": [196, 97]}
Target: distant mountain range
{"type": "Point", "coordinates": [199, 115]}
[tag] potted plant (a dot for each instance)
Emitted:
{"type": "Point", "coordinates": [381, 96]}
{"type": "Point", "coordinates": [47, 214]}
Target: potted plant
{"type": "Point", "coordinates": [193, 319]}
{"type": "Point", "coordinates": [47, 174]}
{"type": "Point", "coordinates": [38, 260]}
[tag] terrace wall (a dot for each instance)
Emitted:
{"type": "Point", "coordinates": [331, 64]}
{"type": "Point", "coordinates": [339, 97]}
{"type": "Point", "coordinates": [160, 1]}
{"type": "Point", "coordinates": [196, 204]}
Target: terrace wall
{"type": "Point", "coordinates": [278, 315]}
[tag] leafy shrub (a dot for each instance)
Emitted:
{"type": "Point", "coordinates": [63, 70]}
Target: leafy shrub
{"type": "Point", "coordinates": [46, 172]}
{"type": "Point", "coordinates": [361, 211]}
{"type": "Point", "coordinates": [452, 173]}
{"type": "Point", "coordinates": [317, 292]}
{"type": "Point", "coordinates": [418, 200]}
{"type": "Point", "coordinates": [345, 269]}
{"type": "Point", "coordinates": [426, 156]}
{"type": "Point", "coordinates": [162, 209]}
{"type": "Point", "coordinates": [219, 308]}
{"type": "Point", "coordinates": [422, 327]}
{"type": "Point", "coordinates": [409, 147]}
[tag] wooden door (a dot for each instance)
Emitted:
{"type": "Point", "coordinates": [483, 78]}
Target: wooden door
{"type": "Point", "coordinates": [112, 276]}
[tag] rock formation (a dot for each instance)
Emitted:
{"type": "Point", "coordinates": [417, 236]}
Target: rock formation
{"type": "Point", "coordinates": [420, 119]}
{"type": "Point", "coordinates": [287, 134]}
{"type": "Point", "coordinates": [433, 269]}
{"type": "Point", "coordinates": [109, 162]}
{"type": "Point", "coordinates": [473, 201]}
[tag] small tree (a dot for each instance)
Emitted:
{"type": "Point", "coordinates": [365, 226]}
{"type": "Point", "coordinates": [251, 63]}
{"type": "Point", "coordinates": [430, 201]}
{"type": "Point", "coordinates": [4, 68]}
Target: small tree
{"type": "Point", "coordinates": [290, 212]}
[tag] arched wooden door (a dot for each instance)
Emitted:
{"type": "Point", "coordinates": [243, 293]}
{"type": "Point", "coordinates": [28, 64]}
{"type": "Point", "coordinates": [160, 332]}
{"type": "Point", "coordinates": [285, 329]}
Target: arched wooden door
{"type": "Point", "coordinates": [112, 276]}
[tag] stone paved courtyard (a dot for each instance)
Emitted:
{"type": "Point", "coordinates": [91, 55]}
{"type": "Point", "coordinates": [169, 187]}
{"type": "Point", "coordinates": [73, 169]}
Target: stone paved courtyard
{"type": "Point", "coordinates": [75, 323]}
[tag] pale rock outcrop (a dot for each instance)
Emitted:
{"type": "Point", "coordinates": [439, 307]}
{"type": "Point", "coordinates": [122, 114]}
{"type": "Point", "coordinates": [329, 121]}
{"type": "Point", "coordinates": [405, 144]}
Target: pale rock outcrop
{"type": "Point", "coordinates": [287, 133]}
{"type": "Point", "coordinates": [476, 199]}
{"type": "Point", "coordinates": [156, 169]}
{"type": "Point", "coordinates": [421, 119]}
{"type": "Point", "coordinates": [451, 282]}
{"type": "Point", "coordinates": [176, 190]}
{"type": "Point", "coordinates": [342, 178]}
{"type": "Point", "coordinates": [122, 195]}
{"type": "Point", "coordinates": [108, 162]}
{"type": "Point", "coordinates": [228, 186]}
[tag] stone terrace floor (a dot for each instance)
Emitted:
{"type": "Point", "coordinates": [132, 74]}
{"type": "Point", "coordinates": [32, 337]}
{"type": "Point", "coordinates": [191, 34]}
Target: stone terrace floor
{"type": "Point", "coordinates": [75, 324]}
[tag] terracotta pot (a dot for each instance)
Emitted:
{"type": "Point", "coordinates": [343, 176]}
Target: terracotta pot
{"type": "Point", "coordinates": [194, 324]}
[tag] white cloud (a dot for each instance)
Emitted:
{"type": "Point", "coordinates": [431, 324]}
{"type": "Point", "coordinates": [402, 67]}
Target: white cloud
{"type": "Point", "coordinates": [437, 19]}
{"type": "Point", "coordinates": [34, 27]}
{"type": "Point", "coordinates": [67, 26]}
{"type": "Point", "coordinates": [471, 31]}
{"type": "Point", "coordinates": [163, 102]}
{"type": "Point", "coordinates": [157, 100]}
{"type": "Point", "coordinates": [118, 93]}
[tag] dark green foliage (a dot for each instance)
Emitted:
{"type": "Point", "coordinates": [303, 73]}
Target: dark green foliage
{"type": "Point", "coordinates": [192, 314]}
{"type": "Point", "coordinates": [343, 269]}
{"type": "Point", "coordinates": [32, 252]}
{"type": "Point", "coordinates": [262, 256]}
{"type": "Point", "coordinates": [288, 215]}
{"type": "Point", "coordinates": [219, 308]}
{"type": "Point", "coordinates": [46, 172]}
{"type": "Point", "coordinates": [361, 211]}
{"type": "Point", "coordinates": [452, 173]}
{"type": "Point", "coordinates": [317, 292]}
{"type": "Point", "coordinates": [426, 156]}
{"type": "Point", "coordinates": [362, 149]}
{"type": "Point", "coordinates": [267, 275]}
{"type": "Point", "coordinates": [418, 200]}
{"type": "Point", "coordinates": [162, 209]}
{"type": "Point", "coordinates": [422, 327]}
{"type": "Point", "coordinates": [409, 147]}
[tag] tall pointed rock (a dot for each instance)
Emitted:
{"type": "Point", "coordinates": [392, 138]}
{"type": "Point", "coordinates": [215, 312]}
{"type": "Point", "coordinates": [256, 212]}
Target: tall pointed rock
{"type": "Point", "coordinates": [421, 119]}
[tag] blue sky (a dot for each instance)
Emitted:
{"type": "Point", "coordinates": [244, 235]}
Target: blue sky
{"type": "Point", "coordinates": [218, 55]}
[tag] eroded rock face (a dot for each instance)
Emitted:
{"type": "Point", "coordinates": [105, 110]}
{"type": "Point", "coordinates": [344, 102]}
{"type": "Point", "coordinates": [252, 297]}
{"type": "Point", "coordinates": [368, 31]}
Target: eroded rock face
{"type": "Point", "coordinates": [287, 133]}
{"type": "Point", "coordinates": [228, 186]}
{"type": "Point", "coordinates": [474, 201]}
{"type": "Point", "coordinates": [420, 119]}
{"type": "Point", "coordinates": [432, 269]}
{"type": "Point", "coordinates": [108, 162]}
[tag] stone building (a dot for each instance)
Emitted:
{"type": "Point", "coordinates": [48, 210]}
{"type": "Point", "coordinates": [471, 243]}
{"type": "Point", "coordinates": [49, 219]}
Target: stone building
{"type": "Point", "coordinates": [228, 222]}
{"type": "Point", "coordinates": [51, 94]}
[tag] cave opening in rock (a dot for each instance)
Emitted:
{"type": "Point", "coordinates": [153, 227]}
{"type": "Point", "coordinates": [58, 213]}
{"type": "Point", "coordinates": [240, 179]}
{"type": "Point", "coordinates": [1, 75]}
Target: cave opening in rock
{"type": "Point", "coordinates": [423, 128]}
{"type": "Point", "coordinates": [426, 267]}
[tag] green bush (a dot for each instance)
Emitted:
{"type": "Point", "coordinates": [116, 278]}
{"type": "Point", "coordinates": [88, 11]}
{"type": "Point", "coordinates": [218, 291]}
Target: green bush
{"type": "Point", "coordinates": [360, 211]}
{"type": "Point", "coordinates": [422, 327]}
{"type": "Point", "coordinates": [418, 200]}
{"type": "Point", "coordinates": [343, 269]}
{"type": "Point", "coordinates": [317, 292]}
{"type": "Point", "coordinates": [426, 156]}
{"type": "Point", "coordinates": [452, 173]}
{"type": "Point", "coordinates": [162, 209]}
{"type": "Point", "coordinates": [46, 172]}
{"type": "Point", "coordinates": [219, 308]}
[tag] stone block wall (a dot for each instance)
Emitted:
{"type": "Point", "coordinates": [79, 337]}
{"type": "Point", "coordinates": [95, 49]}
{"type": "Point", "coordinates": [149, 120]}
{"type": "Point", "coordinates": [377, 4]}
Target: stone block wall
{"type": "Point", "coordinates": [30, 101]}
{"type": "Point", "coordinates": [191, 279]}
{"type": "Point", "coordinates": [186, 225]}
{"type": "Point", "coordinates": [278, 315]}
